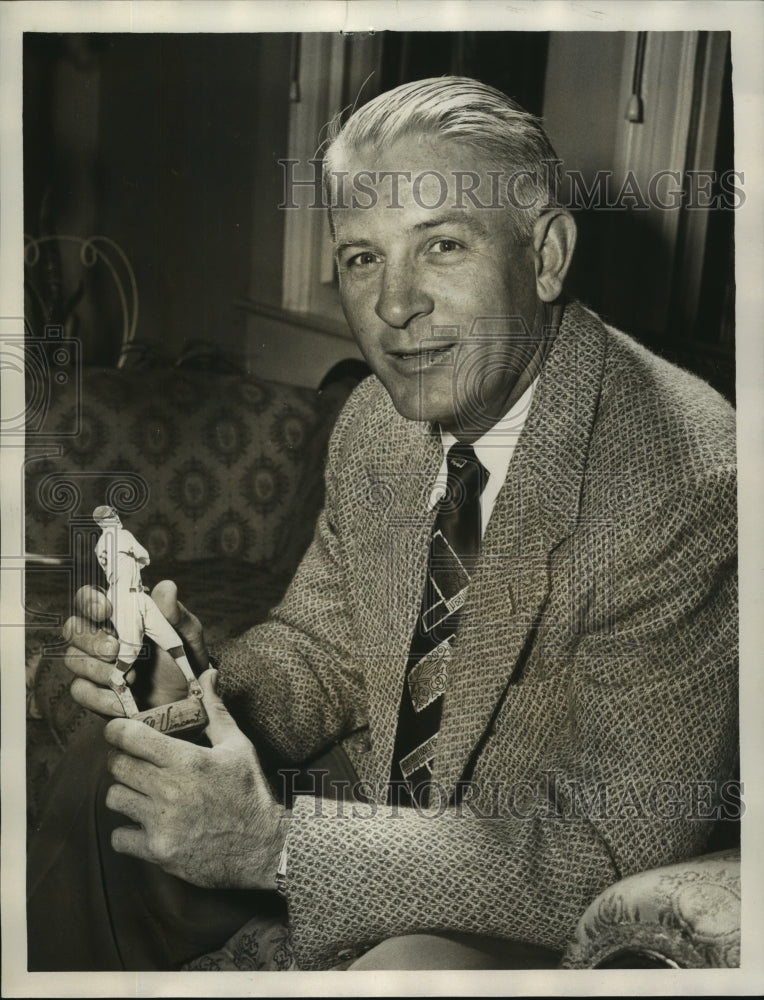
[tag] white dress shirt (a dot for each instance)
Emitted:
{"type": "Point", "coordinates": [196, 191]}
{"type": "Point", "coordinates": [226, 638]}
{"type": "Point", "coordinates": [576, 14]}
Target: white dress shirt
{"type": "Point", "coordinates": [494, 451]}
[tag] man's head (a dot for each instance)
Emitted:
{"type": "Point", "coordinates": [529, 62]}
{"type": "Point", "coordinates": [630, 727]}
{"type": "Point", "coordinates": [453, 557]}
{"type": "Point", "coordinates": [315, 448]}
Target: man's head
{"type": "Point", "coordinates": [106, 517]}
{"type": "Point", "coordinates": [449, 245]}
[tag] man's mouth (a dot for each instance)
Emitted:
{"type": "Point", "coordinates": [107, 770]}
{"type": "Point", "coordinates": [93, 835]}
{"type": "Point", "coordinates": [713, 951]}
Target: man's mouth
{"type": "Point", "coordinates": [425, 356]}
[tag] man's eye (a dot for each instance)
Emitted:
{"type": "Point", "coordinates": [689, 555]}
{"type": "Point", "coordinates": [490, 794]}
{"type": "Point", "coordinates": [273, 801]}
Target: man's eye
{"type": "Point", "coordinates": [364, 259]}
{"type": "Point", "coordinates": [445, 246]}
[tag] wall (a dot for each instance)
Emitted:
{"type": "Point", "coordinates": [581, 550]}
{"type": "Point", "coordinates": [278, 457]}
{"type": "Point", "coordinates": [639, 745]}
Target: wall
{"type": "Point", "coordinates": [178, 141]}
{"type": "Point", "coordinates": [165, 143]}
{"type": "Point", "coordinates": [583, 76]}
{"type": "Point", "coordinates": [581, 114]}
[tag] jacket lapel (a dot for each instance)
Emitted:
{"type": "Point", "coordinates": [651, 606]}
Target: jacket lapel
{"type": "Point", "coordinates": [535, 511]}
{"type": "Point", "coordinates": [393, 548]}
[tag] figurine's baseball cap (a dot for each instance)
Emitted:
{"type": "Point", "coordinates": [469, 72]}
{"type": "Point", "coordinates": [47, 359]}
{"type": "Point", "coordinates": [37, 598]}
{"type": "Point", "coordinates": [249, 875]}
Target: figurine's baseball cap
{"type": "Point", "coordinates": [104, 513]}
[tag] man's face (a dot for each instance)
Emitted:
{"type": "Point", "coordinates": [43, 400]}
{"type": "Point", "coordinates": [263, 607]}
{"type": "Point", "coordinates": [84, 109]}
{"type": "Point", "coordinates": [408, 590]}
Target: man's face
{"type": "Point", "coordinates": [439, 293]}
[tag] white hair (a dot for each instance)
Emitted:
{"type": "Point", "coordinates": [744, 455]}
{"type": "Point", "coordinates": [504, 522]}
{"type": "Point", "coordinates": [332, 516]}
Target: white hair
{"type": "Point", "coordinates": [464, 110]}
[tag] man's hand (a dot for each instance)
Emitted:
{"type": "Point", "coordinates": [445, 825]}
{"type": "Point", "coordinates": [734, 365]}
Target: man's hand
{"type": "Point", "coordinates": [92, 651]}
{"type": "Point", "coordinates": [204, 814]}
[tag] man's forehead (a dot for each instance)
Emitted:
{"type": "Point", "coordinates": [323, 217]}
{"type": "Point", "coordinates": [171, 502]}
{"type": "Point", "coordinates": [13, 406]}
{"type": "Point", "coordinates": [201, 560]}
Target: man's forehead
{"type": "Point", "coordinates": [351, 226]}
{"type": "Point", "coordinates": [431, 180]}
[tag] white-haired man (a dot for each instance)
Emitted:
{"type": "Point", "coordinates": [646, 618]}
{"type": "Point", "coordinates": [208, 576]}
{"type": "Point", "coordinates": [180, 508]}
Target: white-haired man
{"type": "Point", "coordinates": [517, 617]}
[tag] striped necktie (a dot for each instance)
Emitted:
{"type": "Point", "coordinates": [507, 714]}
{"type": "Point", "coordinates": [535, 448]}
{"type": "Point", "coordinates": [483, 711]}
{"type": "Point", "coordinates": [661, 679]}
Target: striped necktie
{"type": "Point", "coordinates": [454, 547]}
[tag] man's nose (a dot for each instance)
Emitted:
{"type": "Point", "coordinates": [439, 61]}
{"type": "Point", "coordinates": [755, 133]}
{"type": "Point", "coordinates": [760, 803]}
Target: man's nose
{"type": "Point", "coordinates": [401, 297]}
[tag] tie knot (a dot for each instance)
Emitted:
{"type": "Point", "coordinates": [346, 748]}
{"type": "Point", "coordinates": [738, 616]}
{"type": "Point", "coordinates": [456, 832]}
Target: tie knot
{"type": "Point", "coordinates": [466, 477]}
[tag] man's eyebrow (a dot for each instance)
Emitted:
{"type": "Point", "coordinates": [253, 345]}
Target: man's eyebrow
{"type": "Point", "coordinates": [450, 219]}
{"type": "Point", "coordinates": [361, 243]}
{"type": "Point", "coordinates": [455, 218]}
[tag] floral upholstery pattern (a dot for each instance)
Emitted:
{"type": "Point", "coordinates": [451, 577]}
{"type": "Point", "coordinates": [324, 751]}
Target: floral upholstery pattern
{"type": "Point", "coordinates": [687, 915]}
{"type": "Point", "coordinates": [261, 945]}
{"type": "Point", "coordinates": [199, 466]}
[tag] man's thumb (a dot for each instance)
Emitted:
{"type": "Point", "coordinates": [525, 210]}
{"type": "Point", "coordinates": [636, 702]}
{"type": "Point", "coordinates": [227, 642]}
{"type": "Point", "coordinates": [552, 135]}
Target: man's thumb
{"type": "Point", "coordinates": [165, 596]}
{"type": "Point", "coordinates": [188, 626]}
{"type": "Point", "coordinates": [221, 728]}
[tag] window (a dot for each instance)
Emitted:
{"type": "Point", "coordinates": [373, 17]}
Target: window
{"type": "Point", "coordinates": [330, 72]}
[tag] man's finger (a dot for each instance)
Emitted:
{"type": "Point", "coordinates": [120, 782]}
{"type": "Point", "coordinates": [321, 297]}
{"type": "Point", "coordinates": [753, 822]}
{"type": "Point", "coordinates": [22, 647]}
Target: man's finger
{"type": "Point", "coordinates": [84, 665]}
{"type": "Point", "coordinates": [139, 775]}
{"type": "Point", "coordinates": [141, 741]}
{"type": "Point", "coordinates": [92, 603]}
{"type": "Point", "coordinates": [165, 596]}
{"type": "Point", "coordinates": [132, 840]}
{"type": "Point", "coordinates": [221, 728]}
{"type": "Point", "coordinates": [128, 802]}
{"type": "Point", "coordinates": [100, 700]}
{"type": "Point", "coordinates": [88, 638]}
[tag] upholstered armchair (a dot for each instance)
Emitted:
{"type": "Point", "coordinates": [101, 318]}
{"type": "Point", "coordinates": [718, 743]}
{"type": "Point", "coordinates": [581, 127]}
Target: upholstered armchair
{"type": "Point", "coordinates": [685, 916]}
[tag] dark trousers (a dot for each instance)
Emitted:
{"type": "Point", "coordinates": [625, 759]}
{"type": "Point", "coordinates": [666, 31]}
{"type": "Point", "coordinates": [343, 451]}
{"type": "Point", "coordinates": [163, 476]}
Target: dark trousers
{"type": "Point", "coordinates": [92, 909]}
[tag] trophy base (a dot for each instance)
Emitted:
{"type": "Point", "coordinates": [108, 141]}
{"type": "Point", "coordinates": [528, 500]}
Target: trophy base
{"type": "Point", "coordinates": [178, 718]}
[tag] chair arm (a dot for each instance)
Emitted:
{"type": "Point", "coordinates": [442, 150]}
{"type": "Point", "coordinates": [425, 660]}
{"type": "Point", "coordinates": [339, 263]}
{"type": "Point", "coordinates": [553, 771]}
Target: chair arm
{"type": "Point", "coordinates": [686, 915]}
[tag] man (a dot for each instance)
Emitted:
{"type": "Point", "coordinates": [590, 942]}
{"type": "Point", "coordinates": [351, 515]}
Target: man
{"type": "Point", "coordinates": [527, 675]}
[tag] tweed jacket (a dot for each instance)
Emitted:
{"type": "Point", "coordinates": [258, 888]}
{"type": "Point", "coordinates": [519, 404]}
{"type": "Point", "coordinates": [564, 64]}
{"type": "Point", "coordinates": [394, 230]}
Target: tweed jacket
{"type": "Point", "coordinates": [590, 711]}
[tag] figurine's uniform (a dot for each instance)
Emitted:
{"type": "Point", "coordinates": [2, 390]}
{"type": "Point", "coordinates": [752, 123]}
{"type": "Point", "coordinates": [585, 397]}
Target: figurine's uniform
{"type": "Point", "coordinates": [134, 612]}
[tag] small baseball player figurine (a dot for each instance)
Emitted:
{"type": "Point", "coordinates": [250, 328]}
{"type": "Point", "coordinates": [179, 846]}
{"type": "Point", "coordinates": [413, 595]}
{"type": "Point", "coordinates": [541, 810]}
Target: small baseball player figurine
{"type": "Point", "coordinates": [135, 615]}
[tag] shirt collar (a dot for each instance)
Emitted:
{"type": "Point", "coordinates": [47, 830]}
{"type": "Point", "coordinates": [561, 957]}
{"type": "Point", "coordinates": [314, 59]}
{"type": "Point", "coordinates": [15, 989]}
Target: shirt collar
{"type": "Point", "coordinates": [502, 436]}
{"type": "Point", "coordinates": [494, 451]}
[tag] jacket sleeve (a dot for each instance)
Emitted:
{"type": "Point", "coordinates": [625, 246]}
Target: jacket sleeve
{"type": "Point", "coordinates": [648, 738]}
{"type": "Point", "coordinates": [293, 680]}
{"type": "Point", "coordinates": [657, 680]}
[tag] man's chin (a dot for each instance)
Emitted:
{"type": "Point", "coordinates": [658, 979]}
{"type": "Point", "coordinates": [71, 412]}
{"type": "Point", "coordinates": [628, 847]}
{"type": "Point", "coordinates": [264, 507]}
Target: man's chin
{"type": "Point", "coordinates": [446, 419]}
{"type": "Point", "coordinates": [420, 412]}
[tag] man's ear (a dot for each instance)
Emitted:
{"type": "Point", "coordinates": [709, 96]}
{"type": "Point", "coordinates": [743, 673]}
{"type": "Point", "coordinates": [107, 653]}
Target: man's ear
{"type": "Point", "coordinates": [554, 239]}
